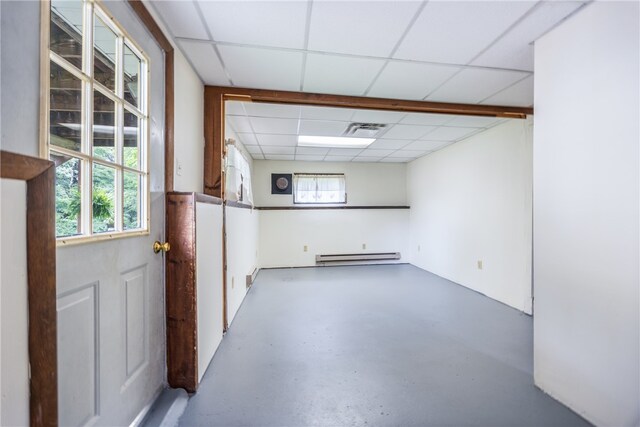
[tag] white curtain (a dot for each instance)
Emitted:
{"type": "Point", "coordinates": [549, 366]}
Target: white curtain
{"type": "Point", "coordinates": [319, 189]}
{"type": "Point", "coordinates": [237, 177]}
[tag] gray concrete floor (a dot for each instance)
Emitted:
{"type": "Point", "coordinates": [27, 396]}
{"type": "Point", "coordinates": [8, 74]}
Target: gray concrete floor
{"type": "Point", "coordinates": [372, 345]}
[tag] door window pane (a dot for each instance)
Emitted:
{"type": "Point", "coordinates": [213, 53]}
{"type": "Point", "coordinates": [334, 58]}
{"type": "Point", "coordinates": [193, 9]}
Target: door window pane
{"type": "Point", "coordinates": [65, 108]}
{"type": "Point", "coordinates": [104, 192]}
{"type": "Point", "coordinates": [68, 199]}
{"type": "Point", "coordinates": [131, 77]}
{"type": "Point", "coordinates": [66, 30]}
{"type": "Point", "coordinates": [104, 132]}
{"type": "Point", "coordinates": [104, 54]}
{"type": "Point", "coordinates": [132, 200]}
{"type": "Point", "coordinates": [131, 153]}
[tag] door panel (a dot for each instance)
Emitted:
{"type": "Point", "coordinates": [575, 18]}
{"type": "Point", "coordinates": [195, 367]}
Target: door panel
{"type": "Point", "coordinates": [111, 351]}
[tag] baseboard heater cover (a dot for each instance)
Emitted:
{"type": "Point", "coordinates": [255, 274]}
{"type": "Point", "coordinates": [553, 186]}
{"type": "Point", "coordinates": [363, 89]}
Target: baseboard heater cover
{"type": "Point", "coordinates": [380, 256]}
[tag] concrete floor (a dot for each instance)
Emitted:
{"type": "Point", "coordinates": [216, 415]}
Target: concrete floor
{"type": "Point", "coordinates": [372, 345]}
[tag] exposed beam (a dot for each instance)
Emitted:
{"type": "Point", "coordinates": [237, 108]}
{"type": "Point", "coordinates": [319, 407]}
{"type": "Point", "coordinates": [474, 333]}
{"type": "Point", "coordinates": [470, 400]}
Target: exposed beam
{"type": "Point", "coordinates": [326, 100]}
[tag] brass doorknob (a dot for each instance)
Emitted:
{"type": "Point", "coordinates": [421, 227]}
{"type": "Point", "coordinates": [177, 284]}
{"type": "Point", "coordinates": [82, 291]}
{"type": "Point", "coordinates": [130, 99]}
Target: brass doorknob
{"type": "Point", "coordinates": [164, 247]}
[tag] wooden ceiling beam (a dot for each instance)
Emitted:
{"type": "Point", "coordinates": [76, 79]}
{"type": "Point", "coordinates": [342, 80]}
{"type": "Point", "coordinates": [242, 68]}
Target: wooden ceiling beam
{"type": "Point", "coordinates": [362, 102]}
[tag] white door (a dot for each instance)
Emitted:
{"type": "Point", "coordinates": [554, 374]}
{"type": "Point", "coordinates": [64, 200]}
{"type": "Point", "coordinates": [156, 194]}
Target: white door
{"type": "Point", "coordinates": [111, 351]}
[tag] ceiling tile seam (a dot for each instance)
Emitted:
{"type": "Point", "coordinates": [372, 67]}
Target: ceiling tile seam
{"type": "Point", "coordinates": [508, 30]}
{"type": "Point", "coordinates": [413, 20]}
{"type": "Point", "coordinates": [255, 137]}
{"type": "Point", "coordinates": [468, 64]}
{"type": "Point", "coordinates": [211, 40]}
{"type": "Point", "coordinates": [505, 88]}
{"type": "Point", "coordinates": [554, 26]}
{"type": "Point", "coordinates": [176, 42]}
{"type": "Point", "coordinates": [348, 55]}
{"type": "Point", "coordinates": [307, 29]}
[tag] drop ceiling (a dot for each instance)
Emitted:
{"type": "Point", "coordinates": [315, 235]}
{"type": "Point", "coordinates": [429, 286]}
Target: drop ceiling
{"type": "Point", "coordinates": [270, 131]}
{"type": "Point", "coordinates": [478, 52]}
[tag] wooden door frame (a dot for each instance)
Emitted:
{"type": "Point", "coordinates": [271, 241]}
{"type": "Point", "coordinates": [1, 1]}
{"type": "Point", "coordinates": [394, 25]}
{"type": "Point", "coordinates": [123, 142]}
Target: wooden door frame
{"type": "Point", "coordinates": [39, 175]}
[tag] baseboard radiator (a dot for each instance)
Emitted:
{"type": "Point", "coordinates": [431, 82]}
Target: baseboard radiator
{"type": "Point", "coordinates": [325, 259]}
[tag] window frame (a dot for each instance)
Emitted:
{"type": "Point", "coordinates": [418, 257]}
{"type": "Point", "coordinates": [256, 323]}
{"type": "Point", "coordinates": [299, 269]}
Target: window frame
{"type": "Point", "coordinates": [294, 192]}
{"type": "Point", "coordinates": [92, 9]}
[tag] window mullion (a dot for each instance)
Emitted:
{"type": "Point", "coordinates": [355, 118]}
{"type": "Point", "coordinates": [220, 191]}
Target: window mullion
{"type": "Point", "coordinates": [87, 119]}
{"type": "Point", "coordinates": [119, 135]}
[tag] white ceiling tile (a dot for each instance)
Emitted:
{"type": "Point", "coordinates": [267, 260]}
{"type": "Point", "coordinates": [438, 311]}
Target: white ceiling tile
{"type": "Point", "coordinates": [518, 95]}
{"type": "Point", "coordinates": [204, 59]}
{"type": "Point", "coordinates": [455, 31]}
{"type": "Point", "coordinates": [408, 153]}
{"type": "Point", "coordinates": [326, 113]}
{"type": "Point", "coordinates": [427, 119]}
{"type": "Point", "coordinates": [239, 124]}
{"type": "Point", "coordinates": [449, 134]}
{"type": "Point", "coordinates": [309, 158]}
{"type": "Point", "coordinates": [279, 156]}
{"type": "Point", "coordinates": [515, 49]}
{"type": "Point", "coordinates": [279, 70]}
{"type": "Point", "coordinates": [370, 152]}
{"type": "Point", "coordinates": [253, 149]}
{"type": "Point", "coordinates": [247, 138]}
{"type": "Point", "coordinates": [396, 159]}
{"type": "Point", "coordinates": [234, 108]}
{"type": "Point", "coordinates": [407, 131]}
{"type": "Point", "coordinates": [263, 23]}
{"type": "Point", "coordinates": [474, 121]}
{"type": "Point", "coordinates": [366, 159]}
{"type": "Point", "coordinates": [339, 74]}
{"type": "Point", "coordinates": [375, 116]}
{"type": "Point", "coordinates": [268, 151]}
{"type": "Point", "coordinates": [322, 128]}
{"type": "Point", "coordinates": [473, 85]}
{"type": "Point", "coordinates": [338, 158]}
{"type": "Point", "coordinates": [388, 144]}
{"type": "Point", "coordinates": [257, 156]}
{"type": "Point", "coordinates": [426, 145]}
{"type": "Point", "coordinates": [182, 18]}
{"type": "Point", "coordinates": [312, 151]}
{"type": "Point", "coordinates": [344, 152]}
{"type": "Point", "coordinates": [276, 126]}
{"type": "Point", "coordinates": [282, 140]}
{"type": "Point", "coordinates": [356, 27]}
{"type": "Point", "coordinates": [410, 80]}
{"type": "Point", "coordinates": [284, 111]}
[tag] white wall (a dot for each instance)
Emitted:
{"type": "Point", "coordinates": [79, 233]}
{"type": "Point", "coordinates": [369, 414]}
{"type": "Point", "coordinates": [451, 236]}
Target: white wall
{"type": "Point", "coordinates": [470, 202]}
{"type": "Point", "coordinates": [367, 183]}
{"type": "Point", "coordinates": [208, 282]}
{"type": "Point", "coordinates": [285, 233]}
{"type": "Point", "coordinates": [189, 127]}
{"type": "Point", "coordinates": [20, 79]}
{"type": "Point", "coordinates": [242, 254]}
{"type": "Point", "coordinates": [586, 217]}
{"type": "Point", "coordinates": [14, 344]}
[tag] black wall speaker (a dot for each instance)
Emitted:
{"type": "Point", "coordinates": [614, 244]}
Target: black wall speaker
{"type": "Point", "coordinates": [281, 183]}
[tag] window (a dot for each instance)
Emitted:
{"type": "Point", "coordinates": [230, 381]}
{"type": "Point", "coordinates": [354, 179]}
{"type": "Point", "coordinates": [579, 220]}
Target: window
{"type": "Point", "coordinates": [97, 123]}
{"type": "Point", "coordinates": [319, 188]}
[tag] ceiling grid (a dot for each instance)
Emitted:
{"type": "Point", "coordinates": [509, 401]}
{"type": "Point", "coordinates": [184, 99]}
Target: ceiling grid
{"type": "Point", "coordinates": [474, 52]}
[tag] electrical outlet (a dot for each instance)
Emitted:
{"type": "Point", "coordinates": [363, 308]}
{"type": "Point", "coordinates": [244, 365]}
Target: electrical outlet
{"type": "Point", "coordinates": [479, 264]}
{"type": "Point", "coordinates": [364, 246]}
{"type": "Point", "coordinates": [306, 248]}
{"type": "Point", "coordinates": [418, 248]}
{"type": "Point", "coordinates": [233, 280]}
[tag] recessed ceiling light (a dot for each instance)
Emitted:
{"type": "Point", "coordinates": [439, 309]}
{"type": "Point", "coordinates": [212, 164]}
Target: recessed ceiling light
{"type": "Point", "coordinates": [333, 141]}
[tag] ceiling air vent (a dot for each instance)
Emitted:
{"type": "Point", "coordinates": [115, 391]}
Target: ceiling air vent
{"type": "Point", "coordinates": [364, 130]}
